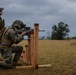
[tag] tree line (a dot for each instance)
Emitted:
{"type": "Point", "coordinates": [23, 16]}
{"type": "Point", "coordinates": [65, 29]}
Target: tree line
{"type": "Point", "coordinates": [59, 32]}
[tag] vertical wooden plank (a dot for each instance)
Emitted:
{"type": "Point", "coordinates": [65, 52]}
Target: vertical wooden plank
{"type": "Point", "coordinates": [32, 48]}
{"type": "Point", "coordinates": [29, 52]}
{"type": "Point", "coordinates": [21, 57]}
{"type": "Point", "coordinates": [36, 30]}
{"type": "Point", "coordinates": [26, 54]}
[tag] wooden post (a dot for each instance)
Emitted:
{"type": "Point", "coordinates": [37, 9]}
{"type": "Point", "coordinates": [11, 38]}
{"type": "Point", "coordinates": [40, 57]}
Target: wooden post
{"type": "Point", "coordinates": [26, 54]}
{"type": "Point", "coordinates": [32, 48]}
{"type": "Point", "coordinates": [36, 30]}
{"type": "Point", "coordinates": [29, 52]}
{"type": "Point", "coordinates": [21, 57]}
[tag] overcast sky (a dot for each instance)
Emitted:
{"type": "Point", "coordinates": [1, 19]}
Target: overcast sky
{"type": "Point", "coordinates": [45, 12]}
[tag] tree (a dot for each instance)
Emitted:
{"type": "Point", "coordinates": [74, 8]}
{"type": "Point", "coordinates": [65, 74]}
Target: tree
{"type": "Point", "coordinates": [60, 31]}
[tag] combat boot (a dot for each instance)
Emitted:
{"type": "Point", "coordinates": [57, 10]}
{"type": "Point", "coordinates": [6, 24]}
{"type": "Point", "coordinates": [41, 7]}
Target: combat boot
{"type": "Point", "coordinates": [16, 64]}
{"type": "Point", "coordinates": [5, 66]}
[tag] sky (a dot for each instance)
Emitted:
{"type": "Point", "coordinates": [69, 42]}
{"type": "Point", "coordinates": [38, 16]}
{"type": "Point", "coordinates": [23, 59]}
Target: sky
{"type": "Point", "coordinates": [45, 12]}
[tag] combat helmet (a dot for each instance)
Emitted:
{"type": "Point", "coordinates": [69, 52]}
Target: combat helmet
{"type": "Point", "coordinates": [1, 9]}
{"type": "Point", "coordinates": [18, 25]}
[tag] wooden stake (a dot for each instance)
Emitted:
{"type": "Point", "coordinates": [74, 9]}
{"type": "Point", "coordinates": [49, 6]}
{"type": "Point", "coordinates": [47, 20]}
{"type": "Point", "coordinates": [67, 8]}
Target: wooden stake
{"type": "Point", "coordinates": [36, 29]}
{"type": "Point", "coordinates": [26, 54]}
{"type": "Point", "coordinates": [32, 48]}
{"type": "Point", "coordinates": [29, 52]}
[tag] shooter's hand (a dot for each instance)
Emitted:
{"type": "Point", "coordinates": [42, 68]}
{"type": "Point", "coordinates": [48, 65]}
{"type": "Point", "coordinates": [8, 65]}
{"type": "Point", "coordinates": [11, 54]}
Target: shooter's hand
{"type": "Point", "coordinates": [23, 33]}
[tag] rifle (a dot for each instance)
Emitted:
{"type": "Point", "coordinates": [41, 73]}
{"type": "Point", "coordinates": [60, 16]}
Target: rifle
{"type": "Point", "coordinates": [27, 30]}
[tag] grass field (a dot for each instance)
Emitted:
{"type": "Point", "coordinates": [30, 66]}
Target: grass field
{"type": "Point", "coordinates": [60, 54]}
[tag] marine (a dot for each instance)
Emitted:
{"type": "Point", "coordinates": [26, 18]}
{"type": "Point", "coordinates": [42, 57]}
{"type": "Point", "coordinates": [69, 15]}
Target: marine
{"type": "Point", "coordinates": [11, 35]}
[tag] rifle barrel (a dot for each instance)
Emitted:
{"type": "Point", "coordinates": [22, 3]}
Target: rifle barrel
{"type": "Point", "coordinates": [41, 30]}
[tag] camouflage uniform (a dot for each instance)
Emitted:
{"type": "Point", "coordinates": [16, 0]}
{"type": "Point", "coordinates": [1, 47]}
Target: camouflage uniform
{"type": "Point", "coordinates": [2, 24]}
{"type": "Point", "coordinates": [9, 38]}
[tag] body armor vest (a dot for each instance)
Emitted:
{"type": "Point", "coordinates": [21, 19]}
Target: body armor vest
{"type": "Point", "coordinates": [5, 38]}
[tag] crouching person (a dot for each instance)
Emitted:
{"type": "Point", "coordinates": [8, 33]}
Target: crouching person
{"type": "Point", "coordinates": [11, 35]}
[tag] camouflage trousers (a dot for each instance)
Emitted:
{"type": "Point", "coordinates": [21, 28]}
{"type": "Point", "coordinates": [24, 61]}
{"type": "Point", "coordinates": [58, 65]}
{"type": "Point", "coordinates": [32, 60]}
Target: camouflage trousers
{"type": "Point", "coordinates": [8, 57]}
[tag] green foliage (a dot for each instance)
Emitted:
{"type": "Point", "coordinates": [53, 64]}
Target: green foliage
{"type": "Point", "coordinates": [73, 37]}
{"type": "Point", "coordinates": [60, 31]}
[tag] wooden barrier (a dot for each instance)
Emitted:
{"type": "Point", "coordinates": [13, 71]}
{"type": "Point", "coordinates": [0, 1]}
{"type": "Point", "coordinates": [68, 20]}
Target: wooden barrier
{"type": "Point", "coordinates": [30, 54]}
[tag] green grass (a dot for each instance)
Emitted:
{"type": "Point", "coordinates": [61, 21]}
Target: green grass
{"type": "Point", "coordinates": [60, 54]}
